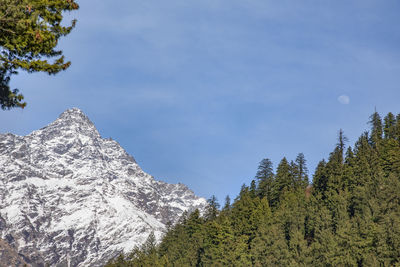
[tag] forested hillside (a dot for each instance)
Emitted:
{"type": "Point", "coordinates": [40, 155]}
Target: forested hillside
{"type": "Point", "coordinates": [348, 216]}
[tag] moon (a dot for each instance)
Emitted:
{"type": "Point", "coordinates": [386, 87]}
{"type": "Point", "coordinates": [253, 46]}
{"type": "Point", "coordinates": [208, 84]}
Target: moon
{"type": "Point", "coordinates": [344, 99]}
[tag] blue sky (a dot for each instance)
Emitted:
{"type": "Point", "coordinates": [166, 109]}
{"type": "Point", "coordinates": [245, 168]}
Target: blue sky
{"type": "Point", "coordinates": [200, 91]}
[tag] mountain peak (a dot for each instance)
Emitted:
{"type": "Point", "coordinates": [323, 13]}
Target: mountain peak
{"type": "Point", "coordinates": [68, 196]}
{"type": "Point", "coordinates": [71, 123]}
{"type": "Point", "coordinates": [73, 110]}
{"type": "Point", "coordinates": [74, 114]}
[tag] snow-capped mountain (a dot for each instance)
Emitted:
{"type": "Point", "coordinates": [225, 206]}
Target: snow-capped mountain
{"type": "Point", "coordinates": [68, 196]}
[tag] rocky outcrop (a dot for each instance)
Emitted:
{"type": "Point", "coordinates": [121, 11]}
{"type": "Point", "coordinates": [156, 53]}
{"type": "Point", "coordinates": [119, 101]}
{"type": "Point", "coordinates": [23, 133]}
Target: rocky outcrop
{"type": "Point", "coordinates": [9, 256]}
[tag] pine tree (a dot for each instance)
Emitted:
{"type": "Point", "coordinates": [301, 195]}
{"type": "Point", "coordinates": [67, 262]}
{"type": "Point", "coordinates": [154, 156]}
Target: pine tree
{"type": "Point", "coordinates": [270, 248]}
{"type": "Point", "coordinates": [219, 245]}
{"type": "Point", "coordinates": [320, 179]}
{"type": "Point", "coordinates": [335, 166]}
{"type": "Point", "coordinates": [390, 201]}
{"type": "Point", "coordinates": [294, 175]}
{"type": "Point", "coordinates": [367, 173]}
{"type": "Point", "coordinates": [241, 212]}
{"type": "Point", "coordinates": [397, 133]}
{"type": "Point", "coordinates": [212, 208]}
{"type": "Point", "coordinates": [390, 156]}
{"type": "Point", "coordinates": [253, 189]}
{"type": "Point", "coordinates": [29, 34]}
{"type": "Point", "coordinates": [265, 178]}
{"type": "Point", "coordinates": [389, 126]}
{"type": "Point", "coordinates": [302, 177]}
{"type": "Point", "coordinates": [9, 98]}
{"type": "Point", "coordinates": [340, 146]}
{"type": "Point", "coordinates": [227, 205]}
{"type": "Point", "coordinates": [390, 147]}
{"type": "Point", "coordinates": [348, 174]}
{"type": "Point", "coordinates": [283, 181]}
{"type": "Point", "coordinates": [376, 132]}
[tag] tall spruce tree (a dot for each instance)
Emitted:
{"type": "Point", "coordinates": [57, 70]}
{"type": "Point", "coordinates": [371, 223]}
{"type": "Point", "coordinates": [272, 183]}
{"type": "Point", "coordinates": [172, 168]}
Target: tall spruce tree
{"type": "Point", "coordinates": [335, 165]}
{"type": "Point", "coordinates": [320, 179]}
{"type": "Point", "coordinates": [389, 126]}
{"type": "Point", "coordinates": [376, 131]}
{"type": "Point", "coordinates": [340, 146]}
{"type": "Point", "coordinates": [212, 208]}
{"type": "Point", "coordinates": [265, 178]}
{"type": "Point", "coordinates": [302, 174]}
{"type": "Point", "coordinates": [397, 134]}
{"type": "Point", "coordinates": [227, 204]}
{"type": "Point", "coordinates": [283, 181]}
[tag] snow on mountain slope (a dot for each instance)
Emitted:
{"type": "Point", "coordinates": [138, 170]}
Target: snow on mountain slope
{"type": "Point", "coordinates": [69, 196]}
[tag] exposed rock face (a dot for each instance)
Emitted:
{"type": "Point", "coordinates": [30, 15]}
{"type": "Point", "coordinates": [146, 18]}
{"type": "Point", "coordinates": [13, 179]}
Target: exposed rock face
{"type": "Point", "coordinates": [68, 196]}
{"type": "Point", "coordinates": [9, 256]}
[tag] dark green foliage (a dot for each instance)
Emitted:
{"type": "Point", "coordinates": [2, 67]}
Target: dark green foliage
{"type": "Point", "coordinates": [397, 129]}
{"type": "Point", "coordinates": [390, 126]}
{"type": "Point", "coordinates": [350, 216]}
{"type": "Point", "coordinates": [212, 209]}
{"type": "Point", "coordinates": [283, 181]}
{"type": "Point", "coordinates": [227, 204]}
{"type": "Point", "coordinates": [321, 178]}
{"type": "Point", "coordinates": [265, 178]}
{"type": "Point", "coordinates": [376, 131]}
{"type": "Point", "coordinates": [8, 98]}
{"type": "Point", "coordinates": [302, 171]}
{"type": "Point", "coordinates": [29, 34]}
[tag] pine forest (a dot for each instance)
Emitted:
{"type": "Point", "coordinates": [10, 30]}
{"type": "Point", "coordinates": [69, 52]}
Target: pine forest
{"type": "Point", "coordinates": [348, 214]}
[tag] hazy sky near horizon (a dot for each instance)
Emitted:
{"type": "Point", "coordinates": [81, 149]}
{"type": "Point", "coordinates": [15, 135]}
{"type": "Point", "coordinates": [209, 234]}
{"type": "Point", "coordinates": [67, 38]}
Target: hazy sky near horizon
{"type": "Point", "coordinates": [200, 91]}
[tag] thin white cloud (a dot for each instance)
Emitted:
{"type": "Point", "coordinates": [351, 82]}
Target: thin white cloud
{"type": "Point", "coordinates": [344, 99]}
